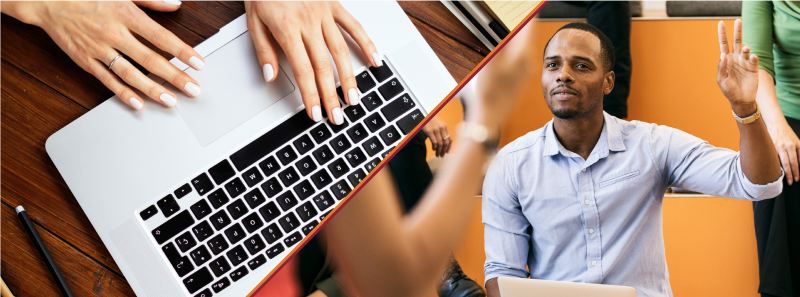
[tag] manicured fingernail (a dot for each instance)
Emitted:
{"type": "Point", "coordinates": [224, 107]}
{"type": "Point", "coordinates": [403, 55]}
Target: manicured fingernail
{"type": "Point", "coordinates": [377, 59]}
{"type": "Point", "coordinates": [136, 103]}
{"type": "Point", "coordinates": [269, 72]}
{"type": "Point", "coordinates": [168, 99]}
{"type": "Point", "coordinates": [316, 113]}
{"type": "Point", "coordinates": [352, 96]}
{"type": "Point", "coordinates": [196, 63]}
{"type": "Point", "coordinates": [192, 89]}
{"type": "Point", "coordinates": [722, 56]}
{"type": "Point", "coordinates": [338, 118]}
{"type": "Point", "coordinates": [172, 2]}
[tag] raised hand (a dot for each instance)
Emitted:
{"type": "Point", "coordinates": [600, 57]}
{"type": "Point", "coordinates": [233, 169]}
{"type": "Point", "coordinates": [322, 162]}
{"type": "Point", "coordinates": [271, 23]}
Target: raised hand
{"type": "Point", "coordinates": [737, 73]}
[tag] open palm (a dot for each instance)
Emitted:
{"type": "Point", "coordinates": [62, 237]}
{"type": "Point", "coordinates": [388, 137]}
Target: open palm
{"type": "Point", "coordinates": [737, 73]}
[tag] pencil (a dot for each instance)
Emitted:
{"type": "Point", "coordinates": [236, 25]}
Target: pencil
{"type": "Point", "coordinates": [48, 259]}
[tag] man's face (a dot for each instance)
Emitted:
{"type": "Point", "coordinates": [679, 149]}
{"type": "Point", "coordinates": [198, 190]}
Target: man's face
{"type": "Point", "coordinates": [574, 78]}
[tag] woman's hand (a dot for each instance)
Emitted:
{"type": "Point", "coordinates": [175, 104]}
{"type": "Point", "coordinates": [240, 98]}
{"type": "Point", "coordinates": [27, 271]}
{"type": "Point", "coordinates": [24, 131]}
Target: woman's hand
{"type": "Point", "coordinates": [307, 31]}
{"type": "Point", "coordinates": [93, 34]}
{"type": "Point", "coordinates": [788, 146]}
{"type": "Point", "coordinates": [436, 129]}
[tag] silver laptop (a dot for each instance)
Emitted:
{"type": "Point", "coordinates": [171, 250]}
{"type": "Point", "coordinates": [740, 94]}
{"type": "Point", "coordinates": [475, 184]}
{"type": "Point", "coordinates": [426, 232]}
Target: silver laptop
{"type": "Point", "coordinates": [523, 287]}
{"type": "Point", "coordinates": [209, 197]}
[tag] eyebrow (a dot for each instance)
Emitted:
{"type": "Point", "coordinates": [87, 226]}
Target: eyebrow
{"type": "Point", "coordinates": [582, 58]}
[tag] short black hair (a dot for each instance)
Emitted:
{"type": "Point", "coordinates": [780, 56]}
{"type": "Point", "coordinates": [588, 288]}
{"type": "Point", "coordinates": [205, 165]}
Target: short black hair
{"type": "Point", "coordinates": [606, 47]}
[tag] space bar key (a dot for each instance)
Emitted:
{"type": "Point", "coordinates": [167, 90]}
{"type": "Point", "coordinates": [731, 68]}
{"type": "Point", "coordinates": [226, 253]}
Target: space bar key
{"type": "Point", "coordinates": [172, 227]}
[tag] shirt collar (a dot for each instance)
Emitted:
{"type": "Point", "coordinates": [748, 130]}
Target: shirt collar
{"type": "Point", "coordinates": [611, 135]}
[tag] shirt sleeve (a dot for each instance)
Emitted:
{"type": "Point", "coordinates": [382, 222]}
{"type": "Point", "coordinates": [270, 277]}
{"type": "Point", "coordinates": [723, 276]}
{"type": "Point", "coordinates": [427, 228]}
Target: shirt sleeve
{"type": "Point", "coordinates": [757, 30]}
{"type": "Point", "coordinates": [691, 163]}
{"type": "Point", "coordinates": [506, 230]}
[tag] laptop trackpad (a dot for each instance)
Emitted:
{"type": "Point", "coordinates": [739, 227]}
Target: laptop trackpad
{"type": "Point", "coordinates": [234, 91]}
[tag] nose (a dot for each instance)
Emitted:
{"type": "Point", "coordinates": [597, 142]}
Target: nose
{"type": "Point", "coordinates": [564, 76]}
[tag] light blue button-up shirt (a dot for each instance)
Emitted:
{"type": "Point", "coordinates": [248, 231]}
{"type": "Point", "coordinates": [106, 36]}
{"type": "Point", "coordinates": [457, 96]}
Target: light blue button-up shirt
{"type": "Point", "coordinates": [599, 220]}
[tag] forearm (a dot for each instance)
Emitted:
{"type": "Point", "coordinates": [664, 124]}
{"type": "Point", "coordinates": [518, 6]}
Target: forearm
{"type": "Point", "coordinates": [492, 288]}
{"type": "Point", "coordinates": [24, 11]}
{"type": "Point", "coordinates": [768, 101]}
{"type": "Point", "coordinates": [760, 162]}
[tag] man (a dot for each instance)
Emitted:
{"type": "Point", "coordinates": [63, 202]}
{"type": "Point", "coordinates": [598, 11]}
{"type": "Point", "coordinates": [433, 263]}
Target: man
{"type": "Point", "coordinates": [581, 199]}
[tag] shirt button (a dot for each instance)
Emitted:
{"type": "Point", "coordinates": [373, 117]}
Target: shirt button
{"type": "Point", "coordinates": [586, 201]}
{"type": "Point", "coordinates": [591, 230]}
{"type": "Point", "coordinates": [594, 263]}
{"type": "Point", "coordinates": [584, 170]}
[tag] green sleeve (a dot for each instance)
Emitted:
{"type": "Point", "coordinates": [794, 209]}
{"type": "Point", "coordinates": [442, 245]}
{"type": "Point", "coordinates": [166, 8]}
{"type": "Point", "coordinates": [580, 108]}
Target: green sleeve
{"type": "Point", "coordinates": [331, 287]}
{"type": "Point", "coordinates": [757, 29]}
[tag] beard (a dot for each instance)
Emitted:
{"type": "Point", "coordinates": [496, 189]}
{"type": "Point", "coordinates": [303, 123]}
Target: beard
{"type": "Point", "coordinates": [566, 113]}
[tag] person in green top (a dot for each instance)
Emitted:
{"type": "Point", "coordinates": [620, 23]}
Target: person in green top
{"type": "Point", "coordinates": [773, 34]}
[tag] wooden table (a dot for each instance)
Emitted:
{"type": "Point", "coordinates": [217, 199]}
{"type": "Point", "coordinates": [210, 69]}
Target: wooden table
{"type": "Point", "coordinates": [43, 90]}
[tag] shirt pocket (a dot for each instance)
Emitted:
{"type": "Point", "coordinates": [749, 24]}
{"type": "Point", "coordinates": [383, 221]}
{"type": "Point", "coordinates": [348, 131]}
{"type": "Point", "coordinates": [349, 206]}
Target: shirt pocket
{"type": "Point", "coordinates": [619, 178]}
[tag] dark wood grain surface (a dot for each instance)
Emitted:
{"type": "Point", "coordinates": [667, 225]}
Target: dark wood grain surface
{"type": "Point", "coordinates": [43, 91]}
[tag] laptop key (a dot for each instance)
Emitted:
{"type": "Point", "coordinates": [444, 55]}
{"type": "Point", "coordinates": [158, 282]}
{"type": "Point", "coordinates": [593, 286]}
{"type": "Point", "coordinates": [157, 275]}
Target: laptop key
{"type": "Point", "coordinates": [391, 89]}
{"type": "Point", "coordinates": [321, 133]}
{"type": "Point", "coordinates": [310, 227]}
{"type": "Point", "coordinates": [357, 133]}
{"type": "Point", "coordinates": [185, 241]}
{"type": "Point", "coordinates": [173, 226]}
{"type": "Point", "coordinates": [356, 176]}
{"type": "Point", "coordinates": [204, 293]}
{"type": "Point", "coordinates": [252, 177]}
{"type": "Point", "coordinates": [292, 239]}
{"type": "Point", "coordinates": [200, 209]}
{"type": "Point", "coordinates": [321, 179]}
{"type": "Point", "coordinates": [254, 244]}
{"type": "Point", "coordinates": [340, 127]}
{"type": "Point", "coordinates": [221, 285]}
{"type": "Point", "coordinates": [202, 231]}
{"type": "Point", "coordinates": [355, 157]}
{"type": "Point", "coordinates": [254, 198]}
{"type": "Point", "coordinates": [235, 187]}
{"type": "Point", "coordinates": [306, 211]}
{"type": "Point", "coordinates": [181, 265]}
{"type": "Point", "coordinates": [269, 166]}
{"type": "Point", "coordinates": [269, 211]}
{"type": "Point", "coordinates": [218, 198]}
{"type": "Point", "coordinates": [372, 164]}
{"type": "Point", "coordinates": [371, 101]}
{"type": "Point", "coordinates": [324, 201]}
{"type": "Point", "coordinates": [148, 212]}
{"type": "Point", "coordinates": [237, 209]}
{"type": "Point", "coordinates": [235, 233]}
{"type": "Point", "coordinates": [256, 262]}
{"type": "Point", "coordinates": [410, 121]}
{"type": "Point", "coordinates": [306, 165]}
{"type": "Point", "coordinates": [168, 205]}
{"type": "Point", "coordinates": [220, 220]}
{"type": "Point", "coordinates": [219, 266]}
{"type": "Point", "coordinates": [289, 222]}
{"type": "Point", "coordinates": [286, 155]}
{"type": "Point", "coordinates": [182, 191]}
{"type": "Point", "coordinates": [389, 136]}
{"type": "Point", "coordinates": [286, 201]}
{"type": "Point", "coordinates": [304, 190]}
{"type": "Point", "coordinates": [289, 176]}
{"type": "Point", "coordinates": [271, 233]}
{"type": "Point", "coordinates": [324, 215]}
{"type": "Point", "coordinates": [221, 172]}
{"type": "Point", "coordinates": [252, 222]}
{"type": "Point", "coordinates": [171, 253]}
{"type": "Point", "coordinates": [338, 168]}
{"type": "Point", "coordinates": [372, 146]}
{"type": "Point", "coordinates": [217, 244]}
{"type": "Point", "coordinates": [340, 144]}
{"type": "Point", "coordinates": [239, 273]}
{"type": "Point", "coordinates": [198, 280]}
{"type": "Point", "coordinates": [270, 141]}
{"type": "Point", "coordinates": [374, 122]}
{"type": "Point", "coordinates": [381, 73]}
{"type": "Point", "coordinates": [364, 82]}
{"type": "Point", "coordinates": [398, 107]}
{"type": "Point", "coordinates": [275, 250]}
{"type": "Point", "coordinates": [202, 184]}
{"type": "Point", "coordinates": [200, 255]}
{"type": "Point", "coordinates": [237, 255]}
{"type": "Point", "coordinates": [271, 187]}
{"type": "Point", "coordinates": [303, 144]}
{"type": "Point", "coordinates": [341, 189]}
{"type": "Point", "coordinates": [354, 112]}
{"type": "Point", "coordinates": [386, 153]}
{"type": "Point", "coordinates": [323, 155]}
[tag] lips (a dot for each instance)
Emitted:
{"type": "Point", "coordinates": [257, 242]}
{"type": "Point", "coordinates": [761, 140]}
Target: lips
{"type": "Point", "coordinates": [563, 93]}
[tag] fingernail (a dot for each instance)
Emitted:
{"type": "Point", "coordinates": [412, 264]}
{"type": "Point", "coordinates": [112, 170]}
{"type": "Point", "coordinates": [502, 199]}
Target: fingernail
{"type": "Point", "coordinates": [377, 59]}
{"type": "Point", "coordinates": [269, 73]}
{"type": "Point", "coordinates": [192, 89]}
{"type": "Point", "coordinates": [168, 99]}
{"type": "Point", "coordinates": [338, 118]}
{"type": "Point", "coordinates": [196, 63]}
{"type": "Point", "coordinates": [722, 56]}
{"type": "Point", "coordinates": [172, 2]}
{"type": "Point", "coordinates": [352, 96]}
{"type": "Point", "coordinates": [136, 103]}
{"type": "Point", "coordinates": [316, 113]}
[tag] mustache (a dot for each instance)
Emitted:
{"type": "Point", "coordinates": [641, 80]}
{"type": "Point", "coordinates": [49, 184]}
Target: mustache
{"type": "Point", "coordinates": [563, 86]}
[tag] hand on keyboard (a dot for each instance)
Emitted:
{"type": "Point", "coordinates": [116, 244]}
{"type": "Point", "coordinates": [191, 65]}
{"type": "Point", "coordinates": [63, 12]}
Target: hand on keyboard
{"type": "Point", "coordinates": [95, 34]}
{"type": "Point", "coordinates": [307, 31]}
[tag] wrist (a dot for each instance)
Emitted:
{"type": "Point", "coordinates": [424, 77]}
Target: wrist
{"type": "Point", "coordinates": [744, 109]}
{"type": "Point", "coordinates": [28, 12]}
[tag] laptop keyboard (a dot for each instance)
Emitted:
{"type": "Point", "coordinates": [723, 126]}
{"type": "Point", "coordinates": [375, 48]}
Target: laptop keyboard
{"type": "Point", "coordinates": [263, 199]}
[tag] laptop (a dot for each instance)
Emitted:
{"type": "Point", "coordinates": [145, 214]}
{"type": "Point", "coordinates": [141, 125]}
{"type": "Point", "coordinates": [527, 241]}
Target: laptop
{"type": "Point", "coordinates": [209, 197]}
{"type": "Point", "coordinates": [523, 287]}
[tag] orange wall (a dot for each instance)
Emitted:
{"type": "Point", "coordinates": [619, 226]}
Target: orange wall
{"type": "Point", "coordinates": [710, 242]}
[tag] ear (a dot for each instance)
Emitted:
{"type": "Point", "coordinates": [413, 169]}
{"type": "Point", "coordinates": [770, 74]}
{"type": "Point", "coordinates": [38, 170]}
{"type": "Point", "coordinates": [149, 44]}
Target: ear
{"type": "Point", "coordinates": [608, 82]}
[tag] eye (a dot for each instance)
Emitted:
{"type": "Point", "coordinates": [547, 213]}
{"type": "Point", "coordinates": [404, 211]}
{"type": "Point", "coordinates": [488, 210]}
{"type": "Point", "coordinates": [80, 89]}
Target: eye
{"type": "Point", "coordinates": [583, 66]}
{"type": "Point", "coordinates": [551, 65]}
